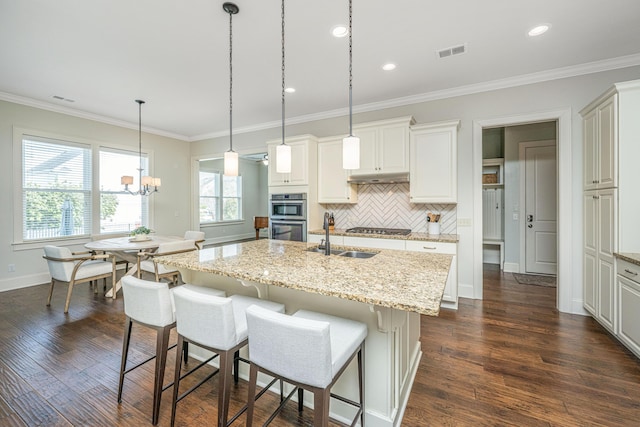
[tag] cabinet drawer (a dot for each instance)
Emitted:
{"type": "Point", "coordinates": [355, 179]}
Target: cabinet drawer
{"type": "Point", "coordinates": [435, 247]}
{"type": "Point", "coordinates": [628, 270]}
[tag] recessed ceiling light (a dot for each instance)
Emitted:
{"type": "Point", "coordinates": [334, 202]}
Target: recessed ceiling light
{"type": "Point", "coordinates": [389, 66]}
{"type": "Point", "coordinates": [290, 90]}
{"type": "Point", "coordinates": [339, 31]}
{"type": "Point", "coordinates": [539, 30]}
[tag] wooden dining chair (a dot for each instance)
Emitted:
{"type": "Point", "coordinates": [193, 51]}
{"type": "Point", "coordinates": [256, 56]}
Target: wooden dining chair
{"type": "Point", "coordinates": [77, 267]}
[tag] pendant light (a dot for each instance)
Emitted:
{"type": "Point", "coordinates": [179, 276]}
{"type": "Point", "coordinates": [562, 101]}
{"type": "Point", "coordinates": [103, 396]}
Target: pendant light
{"type": "Point", "coordinates": [230, 157]}
{"type": "Point", "coordinates": [350, 144]}
{"type": "Point", "coordinates": [283, 151]}
{"type": "Point", "coordinates": [146, 182]}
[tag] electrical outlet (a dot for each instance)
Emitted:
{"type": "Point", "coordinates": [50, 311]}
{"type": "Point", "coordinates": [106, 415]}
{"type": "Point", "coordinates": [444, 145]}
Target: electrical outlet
{"type": "Point", "coordinates": [464, 222]}
{"type": "Point", "coordinates": [12, 268]}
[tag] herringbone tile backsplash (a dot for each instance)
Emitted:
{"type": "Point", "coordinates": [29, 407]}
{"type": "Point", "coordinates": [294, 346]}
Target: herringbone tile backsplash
{"type": "Point", "coordinates": [387, 205]}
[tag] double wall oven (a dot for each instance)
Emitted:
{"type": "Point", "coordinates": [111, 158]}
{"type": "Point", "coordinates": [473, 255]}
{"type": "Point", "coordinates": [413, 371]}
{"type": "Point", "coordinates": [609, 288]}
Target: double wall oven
{"type": "Point", "coordinates": [288, 217]}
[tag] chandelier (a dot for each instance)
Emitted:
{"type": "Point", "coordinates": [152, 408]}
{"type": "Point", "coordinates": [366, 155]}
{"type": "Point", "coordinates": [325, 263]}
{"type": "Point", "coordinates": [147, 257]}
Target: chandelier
{"type": "Point", "coordinates": [148, 184]}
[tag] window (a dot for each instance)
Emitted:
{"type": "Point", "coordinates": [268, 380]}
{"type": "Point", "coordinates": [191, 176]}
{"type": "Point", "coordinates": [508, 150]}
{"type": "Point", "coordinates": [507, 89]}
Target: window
{"type": "Point", "coordinates": [56, 188]}
{"type": "Point", "coordinates": [220, 197]}
{"type": "Point", "coordinates": [120, 211]}
{"type": "Point", "coordinates": [69, 188]}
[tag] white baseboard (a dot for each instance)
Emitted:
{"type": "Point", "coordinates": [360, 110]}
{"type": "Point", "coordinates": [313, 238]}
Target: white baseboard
{"type": "Point", "coordinates": [24, 281]}
{"type": "Point", "coordinates": [465, 290]}
{"type": "Point", "coordinates": [511, 267]}
{"type": "Point", "coordinates": [577, 307]}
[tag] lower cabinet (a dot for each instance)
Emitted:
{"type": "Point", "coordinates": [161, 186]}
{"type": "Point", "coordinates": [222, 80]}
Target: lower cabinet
{"type": "Point", "coordinates": [450, 297]}
{"type": "Point", "coordinates": [628, 284]}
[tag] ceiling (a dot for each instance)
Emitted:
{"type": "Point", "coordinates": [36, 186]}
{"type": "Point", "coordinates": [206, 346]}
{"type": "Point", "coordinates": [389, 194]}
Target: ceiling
{"type": "Point", "coordinates": [104, 54]}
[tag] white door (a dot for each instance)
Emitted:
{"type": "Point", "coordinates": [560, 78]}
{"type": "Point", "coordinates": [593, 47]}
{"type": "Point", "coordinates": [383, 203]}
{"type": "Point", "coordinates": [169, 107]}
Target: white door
{"type": "Point", "coordinates": [540, 207]}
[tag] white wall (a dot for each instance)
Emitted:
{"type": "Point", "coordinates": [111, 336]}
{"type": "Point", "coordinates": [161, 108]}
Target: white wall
{"type": "Point", "coordinates": [568, 93]}
{"type": "Point", "coordinates": [171, 162]}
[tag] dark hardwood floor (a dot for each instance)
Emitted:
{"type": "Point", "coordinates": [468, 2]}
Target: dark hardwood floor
{"type": "Point", "coordinates": [509, 360]}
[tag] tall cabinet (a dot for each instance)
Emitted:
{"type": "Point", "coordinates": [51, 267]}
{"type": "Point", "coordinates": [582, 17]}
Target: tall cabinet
{"type": "Point", "coordinates": [611, 206]}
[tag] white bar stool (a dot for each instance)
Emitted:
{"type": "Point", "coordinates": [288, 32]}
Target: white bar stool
{"type": "Point", "coordinates": [309, 350]}
{"type": "Point", "coordinates": [218, 325]}
{"type": "Point", "coordinates": [150, 304]}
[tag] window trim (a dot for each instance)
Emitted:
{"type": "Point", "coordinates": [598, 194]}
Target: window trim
{"type": "Point", "coordinates": [21, 132]}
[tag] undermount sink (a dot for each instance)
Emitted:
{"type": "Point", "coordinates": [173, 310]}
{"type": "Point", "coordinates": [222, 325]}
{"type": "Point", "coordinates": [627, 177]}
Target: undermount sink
{"type": "Point", "coordinates": [321, 251]}
{"type": "Point", "coordinates": [357, 254]}
{"type": "Point", "coordinates": [343, 252]}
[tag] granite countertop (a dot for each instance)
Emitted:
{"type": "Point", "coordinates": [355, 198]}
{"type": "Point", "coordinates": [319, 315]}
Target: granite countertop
{"type": "Point", "coordinates": [447, 238]}
{"type": "Point", "coordinates": [410, 281]}
{"type": "Point", "coordinates": [629, 257]}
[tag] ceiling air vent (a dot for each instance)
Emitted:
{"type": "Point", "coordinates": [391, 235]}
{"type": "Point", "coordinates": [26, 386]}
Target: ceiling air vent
{"type": "Point", "coordinates": [451, 51]}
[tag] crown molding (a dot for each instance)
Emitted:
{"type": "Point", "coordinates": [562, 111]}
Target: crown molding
{"type": "Point", "coordinates": [43, 105]}
{"type": "Point", "coordinates": [522, 80]}
{"type": "Point", "coordinates": [525, 79]}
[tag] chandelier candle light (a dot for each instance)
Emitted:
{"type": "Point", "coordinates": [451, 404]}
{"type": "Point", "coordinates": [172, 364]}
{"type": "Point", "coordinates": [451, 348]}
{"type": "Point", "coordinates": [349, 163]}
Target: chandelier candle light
{"type": "Point", "coordinates": [146, 182]}
{"type": "Point", "coordinates": [283, 151]}
{"type": "Point", "coordinates": [230, 157]}
{"type": "Point", "coordinates": [350, 144]}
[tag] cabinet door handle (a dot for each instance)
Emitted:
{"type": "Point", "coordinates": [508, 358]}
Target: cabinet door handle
{"type": "Point", "coordinates": [630, 272]}
{"type": "Point", "coordinates": [429, 248]}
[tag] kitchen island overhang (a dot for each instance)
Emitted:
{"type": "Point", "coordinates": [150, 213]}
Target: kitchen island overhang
{"type": "Point", "coordinates": [388, 292]}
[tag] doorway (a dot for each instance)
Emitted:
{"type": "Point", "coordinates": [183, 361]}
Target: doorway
{"type": "Point", "coordinates": [565, 292]}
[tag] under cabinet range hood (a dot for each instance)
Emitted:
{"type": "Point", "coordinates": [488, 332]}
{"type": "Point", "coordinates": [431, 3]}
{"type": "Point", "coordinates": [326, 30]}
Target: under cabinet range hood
{"type": "Point", "coordinates": [379, 178]}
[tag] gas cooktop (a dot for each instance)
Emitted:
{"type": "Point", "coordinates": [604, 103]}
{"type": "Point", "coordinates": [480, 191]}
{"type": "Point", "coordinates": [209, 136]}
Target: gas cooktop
{"type": "Point", "coordinates": [381, 231]}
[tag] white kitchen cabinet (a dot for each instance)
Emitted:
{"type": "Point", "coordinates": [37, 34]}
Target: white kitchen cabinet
{"type": "Point", "coordinates": [600, 147]}
{"type": "Point", "coordinates": [628, 284]}
{"type": "Point", "coordinates": [300, 158]}
{"type": "Point", "coordinates": [611, 131]}
{"type": "Point", "coordinates": [384, 146]}
{"type": "Point", "coordinates": [332, 178]}
{"type": "Point", "coordinates": [433, 163]}
{"type": "Point", "coordinates": [599, 260]}
{"type": "Point", "coordinates": [450, 296]}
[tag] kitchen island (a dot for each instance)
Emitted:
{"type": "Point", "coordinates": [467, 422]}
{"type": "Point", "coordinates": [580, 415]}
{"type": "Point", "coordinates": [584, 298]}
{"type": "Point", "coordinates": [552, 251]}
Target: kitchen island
{"type": "Point", "coordinates": [388, 292]}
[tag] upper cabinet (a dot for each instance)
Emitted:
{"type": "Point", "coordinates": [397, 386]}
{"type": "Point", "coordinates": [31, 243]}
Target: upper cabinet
{"type": "Point", "coordinates": [332, 178]}
{"type": "Point", "coordinates": [384, 146]}
{"type": "Point", "coordinates": [302, 153]}
{"type": "Point", "coordinates": [600, 146]}
{"type": "Point", "coordinates": [611, 132]}
{"type": "Point", "coordinates": [434, 159]}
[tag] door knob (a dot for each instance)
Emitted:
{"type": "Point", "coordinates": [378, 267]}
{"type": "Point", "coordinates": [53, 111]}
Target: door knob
{"type": "Point", "coordinates": [530, 225]}
{"type": "Point", "coordinates": [529, 218]}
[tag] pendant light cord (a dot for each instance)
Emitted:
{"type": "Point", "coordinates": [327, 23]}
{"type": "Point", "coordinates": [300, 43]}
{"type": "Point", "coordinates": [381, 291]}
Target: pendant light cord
{"type": "Point", "coordinates": [230, 81]}
{"type": "Point", "coordinates": [350, 73]}
{"type": "Point", "coordinates": [282, 16]}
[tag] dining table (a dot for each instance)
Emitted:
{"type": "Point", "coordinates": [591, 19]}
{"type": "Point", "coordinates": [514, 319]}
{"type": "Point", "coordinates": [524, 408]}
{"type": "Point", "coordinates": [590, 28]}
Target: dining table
{"type": "Point", "coordinates": [128, 249]}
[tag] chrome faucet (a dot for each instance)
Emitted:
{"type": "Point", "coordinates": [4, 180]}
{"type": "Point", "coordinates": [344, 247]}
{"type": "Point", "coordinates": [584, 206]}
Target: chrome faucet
{"type": "Point", "coordinates": [327, 246]}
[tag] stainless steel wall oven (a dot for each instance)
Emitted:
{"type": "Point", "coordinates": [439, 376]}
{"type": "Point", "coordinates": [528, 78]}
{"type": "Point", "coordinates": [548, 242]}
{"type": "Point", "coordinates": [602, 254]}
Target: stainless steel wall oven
{"type": "Point", "coordinates": [288, 217]}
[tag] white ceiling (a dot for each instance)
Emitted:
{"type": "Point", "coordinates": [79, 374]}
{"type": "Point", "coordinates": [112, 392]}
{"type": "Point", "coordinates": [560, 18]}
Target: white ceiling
{"type": "Point", "coordinates": [104, 54]}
